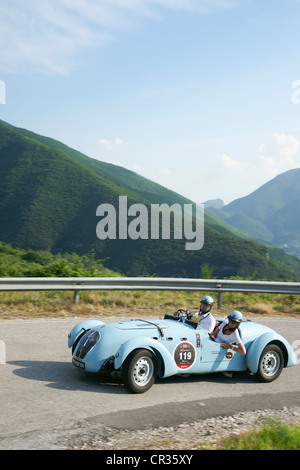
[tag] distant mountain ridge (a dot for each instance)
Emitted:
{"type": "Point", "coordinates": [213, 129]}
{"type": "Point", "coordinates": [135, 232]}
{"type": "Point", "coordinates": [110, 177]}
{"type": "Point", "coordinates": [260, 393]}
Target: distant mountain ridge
{"type": "Point", "coordinates": [271, 213]}
{"type": "Point", "coordinates": [49, 194]}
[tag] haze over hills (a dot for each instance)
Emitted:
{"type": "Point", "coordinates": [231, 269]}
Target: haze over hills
{"type": "Point", "coordinates": [271, 213]}
{"type": "Point", "coordinates": [49, 194]}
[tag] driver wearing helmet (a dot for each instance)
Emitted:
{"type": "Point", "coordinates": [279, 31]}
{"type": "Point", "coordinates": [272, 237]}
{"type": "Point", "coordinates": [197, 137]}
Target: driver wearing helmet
{"type": "Point", "coordinates": [204, 317]}
{"type": "Point", "coordinates": [226, 333]}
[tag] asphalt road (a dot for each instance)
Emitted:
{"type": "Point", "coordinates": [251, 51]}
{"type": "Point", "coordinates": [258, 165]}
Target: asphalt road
{"type": "Point", "coordinates": [46, 403]}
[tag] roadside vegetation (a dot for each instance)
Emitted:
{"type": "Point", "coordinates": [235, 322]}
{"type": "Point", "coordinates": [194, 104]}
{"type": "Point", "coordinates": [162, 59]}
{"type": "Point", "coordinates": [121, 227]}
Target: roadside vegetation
{"type": "Point", "coordinates": [15, 262]}
{"type": "Point", "coordinates": [272, 436]}
{"type": "Point", "coordinates": [134, 303]}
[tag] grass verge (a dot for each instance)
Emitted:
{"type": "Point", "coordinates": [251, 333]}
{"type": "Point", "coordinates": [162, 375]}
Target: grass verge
{"type": "Point", "coordinates": [132, 303]}
{"type": "Point", "coordinates": [272, 436]}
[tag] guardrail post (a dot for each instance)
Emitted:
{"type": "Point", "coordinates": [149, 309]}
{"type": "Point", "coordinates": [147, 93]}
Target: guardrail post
{"type": "Point", "coordinates": [76, 296]}
{"type": "Point", "coordinates": [220, 297]}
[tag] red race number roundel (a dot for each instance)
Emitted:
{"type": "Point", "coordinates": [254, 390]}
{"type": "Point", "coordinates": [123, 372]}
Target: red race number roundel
{"type": "Point", "coordinates": [184, 355]}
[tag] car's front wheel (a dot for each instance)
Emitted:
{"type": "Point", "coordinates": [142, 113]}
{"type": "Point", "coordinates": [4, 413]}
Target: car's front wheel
{"type": "Point", "coordinates": [270, 363]}
{"type": "Point", "coordinates": [139, 371]}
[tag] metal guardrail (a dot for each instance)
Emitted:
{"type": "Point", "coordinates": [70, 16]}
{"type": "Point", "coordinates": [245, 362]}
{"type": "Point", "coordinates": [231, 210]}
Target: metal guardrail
{"type": "Point", "coordinates": [78, 284]}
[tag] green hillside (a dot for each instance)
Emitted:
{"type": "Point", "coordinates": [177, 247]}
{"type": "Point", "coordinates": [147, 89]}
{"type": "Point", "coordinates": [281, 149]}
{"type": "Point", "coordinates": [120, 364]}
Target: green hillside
{"type": "Point", "coordinates": [136, 185]}
{"type": "Point", "coordinates": [49, 194]}
{"type": "Point", "coordinates": [270, 213]}
{"type": "Point", "coordinates": [45, 194]}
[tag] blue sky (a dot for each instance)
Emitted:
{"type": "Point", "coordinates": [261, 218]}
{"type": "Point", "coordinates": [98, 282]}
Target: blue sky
{"type": "Point", "coordinates": [201, 96]}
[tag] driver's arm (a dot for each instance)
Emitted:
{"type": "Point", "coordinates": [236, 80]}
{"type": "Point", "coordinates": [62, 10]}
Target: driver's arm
{"type": "Point", "coordinates": [215, 332]}
{"type": "Point", "coordinates": [239, 348]}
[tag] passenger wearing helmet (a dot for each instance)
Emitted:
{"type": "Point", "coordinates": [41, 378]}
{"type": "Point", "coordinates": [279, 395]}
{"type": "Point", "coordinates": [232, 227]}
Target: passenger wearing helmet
{"type": "Point", "coordinates": [227, 333]}
{"type": "Point", "coordinates": [204, 317]}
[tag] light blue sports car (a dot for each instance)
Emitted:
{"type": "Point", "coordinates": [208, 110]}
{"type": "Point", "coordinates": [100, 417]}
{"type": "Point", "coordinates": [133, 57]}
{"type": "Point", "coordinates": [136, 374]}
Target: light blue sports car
{"type": "Point", "coordinates": [138, 351]}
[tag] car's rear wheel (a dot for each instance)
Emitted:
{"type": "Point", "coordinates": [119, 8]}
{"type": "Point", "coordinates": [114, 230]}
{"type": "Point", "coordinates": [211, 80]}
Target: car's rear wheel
{"type": "Point", "coordinates": [270, 363]}
{"type": "Point", "coordinates": [139, 371]}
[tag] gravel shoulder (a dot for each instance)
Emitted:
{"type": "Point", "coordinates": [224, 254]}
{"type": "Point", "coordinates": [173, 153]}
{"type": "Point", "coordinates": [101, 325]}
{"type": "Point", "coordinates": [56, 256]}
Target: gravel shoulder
{"type": "Point", "coordinates": [189, 436]}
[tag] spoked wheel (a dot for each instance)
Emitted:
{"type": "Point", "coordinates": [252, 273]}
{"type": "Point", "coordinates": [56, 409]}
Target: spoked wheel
{"type": "Point", "coordinates": [139, 371]}
{"type": "Point", "coordinates": [270, 363]}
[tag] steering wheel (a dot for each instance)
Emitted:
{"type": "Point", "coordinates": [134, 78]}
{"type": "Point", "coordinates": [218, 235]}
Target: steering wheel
{"type": "Point", "coordinates": [181, 313]}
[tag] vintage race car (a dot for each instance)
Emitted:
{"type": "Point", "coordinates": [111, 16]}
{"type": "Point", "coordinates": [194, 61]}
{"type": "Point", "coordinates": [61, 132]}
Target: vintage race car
{"type": "Point", "coordinates": [138, 351]}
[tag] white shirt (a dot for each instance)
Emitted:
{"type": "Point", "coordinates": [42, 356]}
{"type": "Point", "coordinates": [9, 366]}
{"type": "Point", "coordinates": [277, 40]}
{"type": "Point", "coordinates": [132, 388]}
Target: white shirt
{"type": "Point", "coordinates": [206, 320]}
{"type": "Point", "coordinates": [234, 337]}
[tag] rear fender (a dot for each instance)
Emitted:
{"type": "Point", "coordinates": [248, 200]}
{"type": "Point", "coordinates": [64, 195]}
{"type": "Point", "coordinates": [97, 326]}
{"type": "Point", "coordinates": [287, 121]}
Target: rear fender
{"type": "Point", "coordinates": [82, 328]}
{"type": "Point", "coordinates": [258, 345]}
{"type": "Point", "coordinates": [169, 367]}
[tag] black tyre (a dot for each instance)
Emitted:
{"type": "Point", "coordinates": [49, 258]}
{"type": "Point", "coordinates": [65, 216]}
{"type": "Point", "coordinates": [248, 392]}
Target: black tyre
{"type": "Point", "coordinates": [139, 371]}
{"type": "Point", "coordinates": [270, 363]}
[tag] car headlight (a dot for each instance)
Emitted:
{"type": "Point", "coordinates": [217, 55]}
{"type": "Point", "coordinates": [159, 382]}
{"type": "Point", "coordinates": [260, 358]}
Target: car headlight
{"type": "Point", "coordinates": [86, 343]}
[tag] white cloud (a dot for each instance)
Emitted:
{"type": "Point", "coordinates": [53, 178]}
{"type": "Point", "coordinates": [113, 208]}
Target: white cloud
{"type": "Point", "coordinates": [119, 142]}
{"type": "Point", "coordinates": [164, 171]}
{"type": "Point", "coordinates": [288, 146]}
{"type": "Point", "coordinates": [105, 142]}
{"type": "Point", "coordinates": [279, 153]}
{"type": "Point", "coordinates": [228, 162]}
{"type": "Point", "coordinates": [110, 144]}
{"type": "Point", "coordinates": [47, 35]}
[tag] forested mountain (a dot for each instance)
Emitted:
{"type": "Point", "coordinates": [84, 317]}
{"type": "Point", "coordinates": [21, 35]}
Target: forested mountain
{"type": "Point", "coordinates": [49, 195]}
{"type": "Point", "coordinates": [271, 213]}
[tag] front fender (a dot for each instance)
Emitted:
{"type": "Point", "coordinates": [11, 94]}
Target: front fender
{"type": "Point", "coordinates": [258, 345]}
{"type": "Point", "coordinates": [80, 328]}
{"type": "Point", "coordinates": [152, 345]}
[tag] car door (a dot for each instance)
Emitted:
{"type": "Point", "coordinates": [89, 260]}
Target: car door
{"type": "Point", "coordinates": [213, 357]}
{"type": "Point", "coordinates": [210, 350]}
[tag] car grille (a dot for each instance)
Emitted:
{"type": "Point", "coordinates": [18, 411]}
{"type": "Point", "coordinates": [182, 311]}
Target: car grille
{"type": "Point", "coordinates": [86, 343]}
